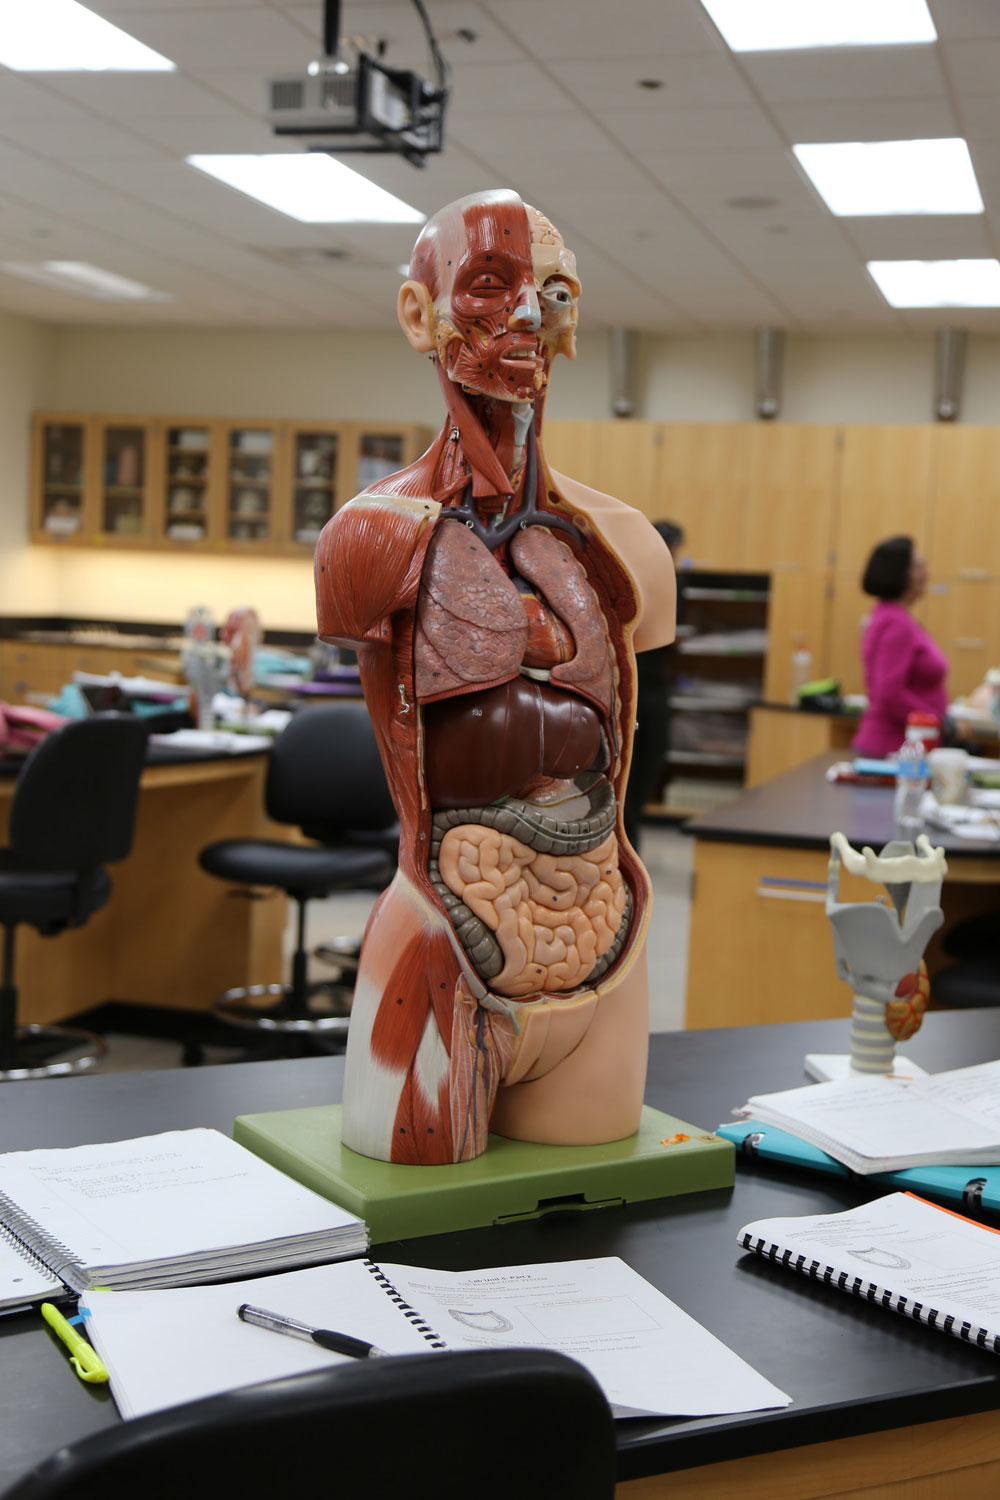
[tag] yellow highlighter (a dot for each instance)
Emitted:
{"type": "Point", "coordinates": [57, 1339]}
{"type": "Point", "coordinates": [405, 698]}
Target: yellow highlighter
{"type": "Point", "coordinates": [83, 1356]}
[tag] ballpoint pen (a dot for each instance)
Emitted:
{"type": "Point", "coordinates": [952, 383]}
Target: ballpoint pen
{"type": "Point", "coordinates": [326, 1338]}
{"type": "Point", "coordinates": [83, 1356]}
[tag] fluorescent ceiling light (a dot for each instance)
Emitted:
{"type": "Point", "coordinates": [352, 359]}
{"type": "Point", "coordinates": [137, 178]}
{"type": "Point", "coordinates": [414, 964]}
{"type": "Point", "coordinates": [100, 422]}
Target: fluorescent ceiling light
{"type": "Point", "coordinates": [86, 281]}
{"type": "Point", "coordinates": [780, 25]}
{"type": "Point", "coordinates": [938, 283]}
{"type": "Point", "coordinates": [313, 187]}
{"type": "Point", "coordinates": [60, 36]}
{"type": "Point", "coordinates": [893, 177]}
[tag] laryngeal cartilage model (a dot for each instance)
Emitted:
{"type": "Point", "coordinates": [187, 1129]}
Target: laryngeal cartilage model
{"type": "Point", "coordinates": [878, 948]}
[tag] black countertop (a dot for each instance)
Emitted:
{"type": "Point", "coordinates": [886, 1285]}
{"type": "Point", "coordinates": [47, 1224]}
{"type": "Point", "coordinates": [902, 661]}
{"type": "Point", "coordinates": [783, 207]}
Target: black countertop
{"type": "Point", "coordinates": [850, 1368]}
{"type": "Point", "coordinates": [801, 809]}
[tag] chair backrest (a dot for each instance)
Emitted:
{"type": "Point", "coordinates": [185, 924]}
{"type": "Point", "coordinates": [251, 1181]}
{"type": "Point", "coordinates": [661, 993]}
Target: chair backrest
{"type": "Point", "coordinates": [325, 774]}
{"type": "Point", "coordinates": [74, 801]}
{"type": "Point", "coordinates": [482, 1425]}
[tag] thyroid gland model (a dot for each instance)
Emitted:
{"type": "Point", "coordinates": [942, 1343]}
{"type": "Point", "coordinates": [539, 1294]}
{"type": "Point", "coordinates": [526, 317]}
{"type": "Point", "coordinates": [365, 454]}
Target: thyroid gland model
{"type": "Point", "coordinates": [496, 608]}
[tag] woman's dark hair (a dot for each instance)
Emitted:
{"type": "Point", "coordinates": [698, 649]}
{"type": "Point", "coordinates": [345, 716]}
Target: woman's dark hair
{"type": "Point", "coordinates": [671, 533]}
{"type": "Point", "coordinates": [887, 572]}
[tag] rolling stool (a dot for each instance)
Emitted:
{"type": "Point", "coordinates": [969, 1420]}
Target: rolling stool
{"type": "Point", "coordinates": [73, 812]}
{"type": "Point", "coordinates": [325, 777]}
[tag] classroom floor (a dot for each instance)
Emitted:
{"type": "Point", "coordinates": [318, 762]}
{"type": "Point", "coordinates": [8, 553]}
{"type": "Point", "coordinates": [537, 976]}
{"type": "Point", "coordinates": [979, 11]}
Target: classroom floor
{"type": "Point", "coordinates": [667, 855]}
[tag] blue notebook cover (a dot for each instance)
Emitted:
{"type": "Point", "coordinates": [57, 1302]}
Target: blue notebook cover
{"type": "Point", "coordinates": [972, 1188]}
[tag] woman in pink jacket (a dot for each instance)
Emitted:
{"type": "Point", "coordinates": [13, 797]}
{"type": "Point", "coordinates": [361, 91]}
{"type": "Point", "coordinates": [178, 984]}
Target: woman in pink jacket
{"type": "Point", "coordinates": [904, 670]}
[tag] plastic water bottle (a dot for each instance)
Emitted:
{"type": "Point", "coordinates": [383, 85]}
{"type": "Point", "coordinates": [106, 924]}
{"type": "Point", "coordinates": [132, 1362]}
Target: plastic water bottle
{"type": "Point", "coordinates": [801, 670]}
{"type": "Point", "coordinates": [913, 774]}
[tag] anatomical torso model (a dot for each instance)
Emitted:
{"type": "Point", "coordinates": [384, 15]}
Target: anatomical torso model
{"type": "Point", "coordinates": [495, 608]}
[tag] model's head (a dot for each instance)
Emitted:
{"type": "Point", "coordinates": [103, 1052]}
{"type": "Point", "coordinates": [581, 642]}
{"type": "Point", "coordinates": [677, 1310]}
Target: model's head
{"type": "Point", "coordinates": [492, 294]}
{"type": "Point", "coordinates": [895, 571]}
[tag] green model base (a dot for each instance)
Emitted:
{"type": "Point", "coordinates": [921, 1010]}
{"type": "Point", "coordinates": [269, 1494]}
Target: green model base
{"type": "Point", "coordinates": [511, 1180]}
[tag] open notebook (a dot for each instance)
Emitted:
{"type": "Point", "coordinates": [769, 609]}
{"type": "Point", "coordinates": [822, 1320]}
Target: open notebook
{"type": "Point", "coordinates": [166, 1347]}
{"type": "Point", "coordinates": [161, 1210]}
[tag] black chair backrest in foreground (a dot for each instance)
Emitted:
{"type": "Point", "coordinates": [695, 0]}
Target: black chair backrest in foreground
{"type": "Point", "coordinates": [503, 1424]}
{"type": "Point", "coordinates": [74, 802]}
{"type": "Point", "coordinates": [325, 775]}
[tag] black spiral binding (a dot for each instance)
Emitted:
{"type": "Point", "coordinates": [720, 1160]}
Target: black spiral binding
{"type": "Point", "coordinates": [424, 1329]}
{"type": "Point", "coordinates": [51, 1253]}
{"type": "Point", "coordinates": [857, 1285]}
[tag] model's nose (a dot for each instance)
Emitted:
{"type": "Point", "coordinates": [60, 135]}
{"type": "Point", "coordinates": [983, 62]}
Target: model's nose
{"type": "Point", "coordinates": [527, 313]}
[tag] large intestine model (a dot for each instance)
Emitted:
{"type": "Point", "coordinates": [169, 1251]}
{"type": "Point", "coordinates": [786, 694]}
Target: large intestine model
{"type": "Point", "coordinates": [496, 607]}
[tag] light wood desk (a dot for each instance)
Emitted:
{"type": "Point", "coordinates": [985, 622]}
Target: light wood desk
{"type": "Point", "coordinates": [170, 934]}
{"type": "Point", "coordinates": [883, 1407]}
{"type": "Point", "coordinates": [760, 947]}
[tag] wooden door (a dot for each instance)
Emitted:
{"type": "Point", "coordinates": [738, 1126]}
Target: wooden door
{"type": "Point", "coordinates": [792, 479]}
{"type": "Point", "coordinates": [884, 491]}
{"type": "Point", "coordinates": [124, 471]}
{"type": "Point", "coordinates": [189, 458]}
{"type": "Point", "coordinates": [849, 608]}
{"type": "Point", "coordinates": [963, 616]}
{"type": "Point", "coordinates": [703, 485]}
{"type": "Point", "coordinates": [252, 465]}
{"type": "Point", "coordinates": [964, 539]}
{"type": "Point", "coordinates": [63, 478]}
{"type": "Point", "coordinates": [798, 615]}
{"type": "Point", "coordinates": [617, 458]}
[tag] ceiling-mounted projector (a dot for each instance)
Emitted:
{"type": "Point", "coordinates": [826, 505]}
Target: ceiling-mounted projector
{"type": "Point", "coordinates": [361, 105]}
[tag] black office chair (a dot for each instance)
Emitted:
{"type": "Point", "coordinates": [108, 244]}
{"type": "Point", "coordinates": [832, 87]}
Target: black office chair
{"type": "Point", "coordinates": [482, 1425]}
{"type": "Point", "coordinates": [325, 777]}
{"type": "Point", "coordinates": [72, 813]}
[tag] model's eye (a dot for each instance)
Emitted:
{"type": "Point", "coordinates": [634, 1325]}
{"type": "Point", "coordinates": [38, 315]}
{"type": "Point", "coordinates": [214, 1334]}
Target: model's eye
{"type": "Point", "coordinates": [485, 283]}
{"type": "Point", "coordinates": [557, 295]}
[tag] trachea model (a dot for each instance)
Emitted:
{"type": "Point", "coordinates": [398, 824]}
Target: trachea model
{"type": "Point", "coordinates": [879, 948]}
{"type": "Point", "coordinates": [496, 607]}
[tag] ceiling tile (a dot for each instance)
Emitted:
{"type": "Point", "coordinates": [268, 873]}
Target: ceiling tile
{"type": "Point", "coordinates": [685, 83]}
{"type": "Point", "coordinates": [923, 237]}
{"type": "Point", "coordinates": [692, 130]}
{"type": "Point", "coordinates": [133, 97]}
{"type": "Point", "coordinates": [253, 37]}
{"type": "Point", "coordinates": [591, 29]}
{"type": "Point", "coordinates": [844, 75]}
{"type": "Point", "coordinates": [974, 67]}
{"type": "Point", "coordinates": [867, 120]}
{"type": "Point", "coordinates": [966, 19]}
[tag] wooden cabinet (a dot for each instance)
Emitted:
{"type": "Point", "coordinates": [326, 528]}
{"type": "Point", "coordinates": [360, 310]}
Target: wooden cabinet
{"type": "Point", "coordinates": [62, 457]}
{"type": "Point", "coordinates": [703, 485]}
{"type": "Point", "coordinates": [964, 539]}
{"type": "Point", "coordinates": [260, 487]}
{"type": "Point", "coordinates": [849, 608]}
{"type": "Point", "coordinates": [884, 490]}
{"type": "Point", "coordinates": [621, 459]}
{"type": "Point", "coordinates": [798, 616]}
{"type": "Point", "coordinates": [963, 617]}
{"type": "Point", "coordinates": [187, 482]}
{"type": "Point", "coordinates": [791, 490]}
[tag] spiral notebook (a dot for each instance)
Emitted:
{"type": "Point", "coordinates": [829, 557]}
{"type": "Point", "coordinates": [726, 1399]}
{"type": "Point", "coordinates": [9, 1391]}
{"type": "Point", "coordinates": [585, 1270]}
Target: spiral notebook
{"type": "Point", "coordinates": [900, 1253]}
{"type": "Point", "coordinates": [162, 1348]}
{"type": "Point", "coordinates": [161, 1210]}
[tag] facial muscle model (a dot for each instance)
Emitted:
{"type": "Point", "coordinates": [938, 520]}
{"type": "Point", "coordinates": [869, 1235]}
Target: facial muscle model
{"type": "Point", "coordinates": [496, 608]}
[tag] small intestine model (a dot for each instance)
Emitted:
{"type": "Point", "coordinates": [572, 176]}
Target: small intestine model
{"type": "Point", "coordinates": [878, 948]}
{"type": "Point", "coordinates": [496, 608]}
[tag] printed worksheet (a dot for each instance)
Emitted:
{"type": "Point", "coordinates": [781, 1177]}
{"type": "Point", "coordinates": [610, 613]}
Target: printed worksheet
{"type": "Point", "coordinates": [647, 1354]}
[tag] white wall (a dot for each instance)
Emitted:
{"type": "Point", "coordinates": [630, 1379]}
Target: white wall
{"type": "Point", "coordinates": [26, 573]}
{"type": "Point", "coordinates": [354, 376]}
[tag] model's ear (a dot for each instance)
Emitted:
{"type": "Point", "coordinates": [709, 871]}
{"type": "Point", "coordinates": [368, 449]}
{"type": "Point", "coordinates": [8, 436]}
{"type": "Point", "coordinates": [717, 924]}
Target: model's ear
{"type": "Point", "coordinates": [416, 315]}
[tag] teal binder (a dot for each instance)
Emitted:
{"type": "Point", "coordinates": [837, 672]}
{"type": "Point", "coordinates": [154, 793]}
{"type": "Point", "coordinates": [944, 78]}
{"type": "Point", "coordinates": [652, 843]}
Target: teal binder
{"type": "Point", "coordinates": [970, 1188]}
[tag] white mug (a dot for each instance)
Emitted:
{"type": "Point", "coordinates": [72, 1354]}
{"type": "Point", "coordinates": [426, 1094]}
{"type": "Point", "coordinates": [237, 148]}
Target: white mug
{"type": "Point", "coordinates": [949, 774]}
